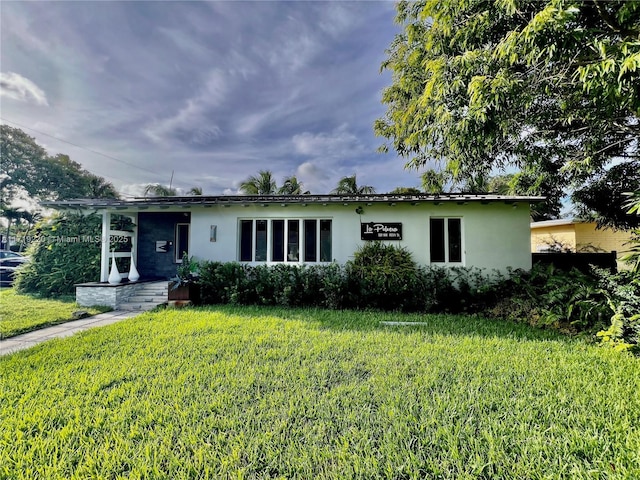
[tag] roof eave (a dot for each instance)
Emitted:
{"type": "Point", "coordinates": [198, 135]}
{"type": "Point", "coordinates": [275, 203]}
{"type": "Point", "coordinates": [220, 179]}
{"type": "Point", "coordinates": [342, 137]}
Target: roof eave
{"type": "Point", "coordinates": [100, 204]}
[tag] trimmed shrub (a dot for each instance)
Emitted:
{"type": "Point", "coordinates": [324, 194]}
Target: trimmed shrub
{"type": "Point", "coordinates": [385, 277]}
{"type": "Point", "coordinates": [223, 282]}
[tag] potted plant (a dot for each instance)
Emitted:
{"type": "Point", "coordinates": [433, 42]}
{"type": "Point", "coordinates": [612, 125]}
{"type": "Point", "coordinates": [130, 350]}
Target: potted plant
{"type": "Point", "coordinates": [184, 285]}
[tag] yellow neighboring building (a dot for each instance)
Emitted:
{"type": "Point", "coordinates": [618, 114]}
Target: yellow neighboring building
{"type": "Point", "coordinates": [577, 236]}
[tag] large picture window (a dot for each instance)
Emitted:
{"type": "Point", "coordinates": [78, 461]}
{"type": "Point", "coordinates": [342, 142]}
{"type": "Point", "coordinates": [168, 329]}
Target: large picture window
{"type": "Point", "coordinates": [445, 240]}
{"type": "Point", "coordinates": [280, 240]}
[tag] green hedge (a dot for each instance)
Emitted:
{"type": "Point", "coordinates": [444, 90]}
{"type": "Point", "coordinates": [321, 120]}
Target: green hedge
{"type": "Point", "coordinates": [385, 277]}
{"type": "Point", "coordinates": [380, 276]}
{"type": "Point", "coordinates": [65, 251]}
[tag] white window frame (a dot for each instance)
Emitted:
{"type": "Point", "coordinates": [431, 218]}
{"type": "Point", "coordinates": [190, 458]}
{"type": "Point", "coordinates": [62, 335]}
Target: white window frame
{"type": "Point", "coordinates": [301, 240]}
{"type": "Point", "coordinates": [446, 262]}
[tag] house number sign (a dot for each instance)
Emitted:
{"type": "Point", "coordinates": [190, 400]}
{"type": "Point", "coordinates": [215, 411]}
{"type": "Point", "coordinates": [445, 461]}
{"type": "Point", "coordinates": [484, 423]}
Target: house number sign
{"type": "Point", "coordinates": [381, 231]}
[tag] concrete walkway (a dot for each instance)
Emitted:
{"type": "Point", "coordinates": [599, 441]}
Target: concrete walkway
{"type": "Point", "coordinates": [28, 340]}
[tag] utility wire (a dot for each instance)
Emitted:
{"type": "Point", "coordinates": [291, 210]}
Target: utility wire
{"type": "Point", "coordinates": [80, 146]}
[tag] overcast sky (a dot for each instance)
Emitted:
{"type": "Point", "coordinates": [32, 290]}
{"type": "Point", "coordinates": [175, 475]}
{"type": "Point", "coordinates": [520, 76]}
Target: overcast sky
{"type": "Point", "coordinates": [212, 91]}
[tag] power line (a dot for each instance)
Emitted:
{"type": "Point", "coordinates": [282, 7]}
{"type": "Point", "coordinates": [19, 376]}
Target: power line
{"type": "Point", "coordinates": [81, 147]}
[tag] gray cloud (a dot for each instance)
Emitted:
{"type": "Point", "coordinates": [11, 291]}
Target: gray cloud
{"type": "Point", "coordinates": [16, 86]}
{"type": "Point", "coordinates": [339, 142]}
{"type": "Point", "coordinates": [214, 91]}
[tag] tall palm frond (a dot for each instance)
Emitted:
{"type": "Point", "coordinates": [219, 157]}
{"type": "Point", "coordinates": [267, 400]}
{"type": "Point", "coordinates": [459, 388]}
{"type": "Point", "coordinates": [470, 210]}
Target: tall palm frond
{"type": "Point", "coordinates": [157, 190]}
{"type": "Point", "coordinates": [261, 184]}
{"type": "Point", "coordinates": [291, 186]}
{"type": "Point", "coordinates": [349, 186]}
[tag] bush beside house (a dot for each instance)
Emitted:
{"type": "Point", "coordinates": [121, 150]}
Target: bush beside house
{"type": "Point", "coordinates": [385, 277]}
{"type": "Point", "coordinates": [63, 252]}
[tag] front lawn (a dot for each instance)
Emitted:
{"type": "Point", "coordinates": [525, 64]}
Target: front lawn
{"type": "Point", "coordinates": [272, 393]}
{"type": "Point", "coordinates": [24, 313]}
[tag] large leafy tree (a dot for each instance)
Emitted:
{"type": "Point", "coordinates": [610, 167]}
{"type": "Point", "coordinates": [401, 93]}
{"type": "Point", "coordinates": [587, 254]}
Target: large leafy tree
{"type": "Point", "coordinates": [21, 164]}
{"type": "Point", "coordinates": [349, 186]}
{"type": "Point", "coordinates": [549, 87]}
{"type": "Point", "coordinates": [62, 178]}
{"type": "Point", "coordinates": [605, 199]}
{"type": "Point", "coordinates": [26, 167]}
{"type": "Point", "coordinates": [56, 267]}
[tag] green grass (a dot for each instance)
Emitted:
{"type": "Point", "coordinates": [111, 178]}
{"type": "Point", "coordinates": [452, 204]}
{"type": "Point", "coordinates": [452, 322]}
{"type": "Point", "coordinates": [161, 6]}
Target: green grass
{"type": "Point", "coordinates": [24, 313]}
{"type": "Point", "coordinates": [270, 393]}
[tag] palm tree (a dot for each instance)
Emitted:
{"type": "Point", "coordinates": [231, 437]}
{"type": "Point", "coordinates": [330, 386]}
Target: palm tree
{"type": "Point", "coordinates": [477, 184]}
{"type": "Point", "coordinates": [98, 187]}
{"type": "Point", "coordinates": [292, 186]}
{"type": "Point", "coordinates": [31, 219]}
{"type": "Point", "coordinates": [349, 186]}
{"type": "Point", "coordinates": [405, 191]}
{"type": "Point", "coordinates": [434, 181]}
{"type": "Point", "coordinates": [157, 190]}
{"type": "Point", "coordinates": [11, 214]}
{"type": "Point", "coordinates": [195, 191]}
{"type": "Point", "coordinates": [261, 184]}
{"type": "Point", "coordinates": [502, 184]}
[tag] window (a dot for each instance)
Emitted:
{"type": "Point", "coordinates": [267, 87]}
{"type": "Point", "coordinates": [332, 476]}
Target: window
{"type": "Point", "coordinates": [325, 240]}
{"type": "Point", "coordinates": [246, 234]}
{"type": "Point", "coordinates": [181, 241]}
{"type": "Point", "coordinates": [445, 240]}
{"type": "Point", "coordinates": [261, 240]}
{"type": "Point", "coordinates": [293, 242]}
{"type": "Point", "coordinates": [277, 240]}
{"type": "Point", "coordinates": [290, 240]}
{"type": "Point", "coordinates": [310, 248]}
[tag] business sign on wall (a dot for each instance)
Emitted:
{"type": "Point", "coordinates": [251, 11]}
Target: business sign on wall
{"type": "Point", "coordinates": [381, 231]}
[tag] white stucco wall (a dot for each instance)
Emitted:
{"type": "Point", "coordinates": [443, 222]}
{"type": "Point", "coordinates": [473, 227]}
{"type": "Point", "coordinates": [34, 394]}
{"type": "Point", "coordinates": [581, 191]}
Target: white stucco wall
{"type": "Point", "coordinates": [495, 235]}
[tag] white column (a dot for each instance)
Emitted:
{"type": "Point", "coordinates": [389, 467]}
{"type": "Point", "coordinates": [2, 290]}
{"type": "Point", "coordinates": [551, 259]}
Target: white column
{"type": "Point", "coordinates": [134, 239]}
{"type": "Point", "coordinates": [105, 243]}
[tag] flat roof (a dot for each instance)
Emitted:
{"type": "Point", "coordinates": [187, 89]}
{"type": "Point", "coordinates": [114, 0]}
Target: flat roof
{"type": "Point", "coordinates": [201, 200]}
{"type": "Point", "coordinates": [556, 223]}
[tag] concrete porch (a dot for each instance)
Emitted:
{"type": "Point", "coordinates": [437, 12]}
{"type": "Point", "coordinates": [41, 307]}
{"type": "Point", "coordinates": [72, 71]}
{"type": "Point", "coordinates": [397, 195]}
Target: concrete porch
{"type": "Point", "coordinates": [141, 295]}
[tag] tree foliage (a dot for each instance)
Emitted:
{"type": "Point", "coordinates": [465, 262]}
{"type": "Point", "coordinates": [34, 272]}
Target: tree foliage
{"type": "Point", "coordinates": [405, 191]}
{"type": "Point", "coordinates": [27, 167]}
{"type": "Point", "coordinates": [349, 186]}
{"type": "Point", "coordinates": [549, 87]}
{"type": "Point", "coordinates": [62, 178]}
{"type": "Point", "coordinates": [605, 199]}
{"type": "Point", "coordinates": [264, 184]}
{"type": "Point", "coordinates": [291, 186]}
{"type": "Point", "coordinates": [261, 184]}
{"type": "Point", "coordinates": [159, 190]}
{"type": "Point", "coordinates": [61, 256]}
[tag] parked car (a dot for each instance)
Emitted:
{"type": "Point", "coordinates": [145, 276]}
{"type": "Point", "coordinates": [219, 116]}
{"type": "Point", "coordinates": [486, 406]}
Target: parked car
{"type": "Point", "coordinates": [9, 262]}
{"type": "Point", "coordinates": [12, 259]}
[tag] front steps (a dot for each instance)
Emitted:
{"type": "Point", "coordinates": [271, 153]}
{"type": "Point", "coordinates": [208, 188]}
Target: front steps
{"type": "Point", "coordinates": [147, 297]}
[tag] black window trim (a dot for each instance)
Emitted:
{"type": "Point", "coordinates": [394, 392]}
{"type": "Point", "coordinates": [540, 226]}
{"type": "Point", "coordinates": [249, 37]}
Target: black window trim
{"type": "Point", "coordinates": [301, 240]}
{"type": "Point", "coordinates": [446, 241]}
